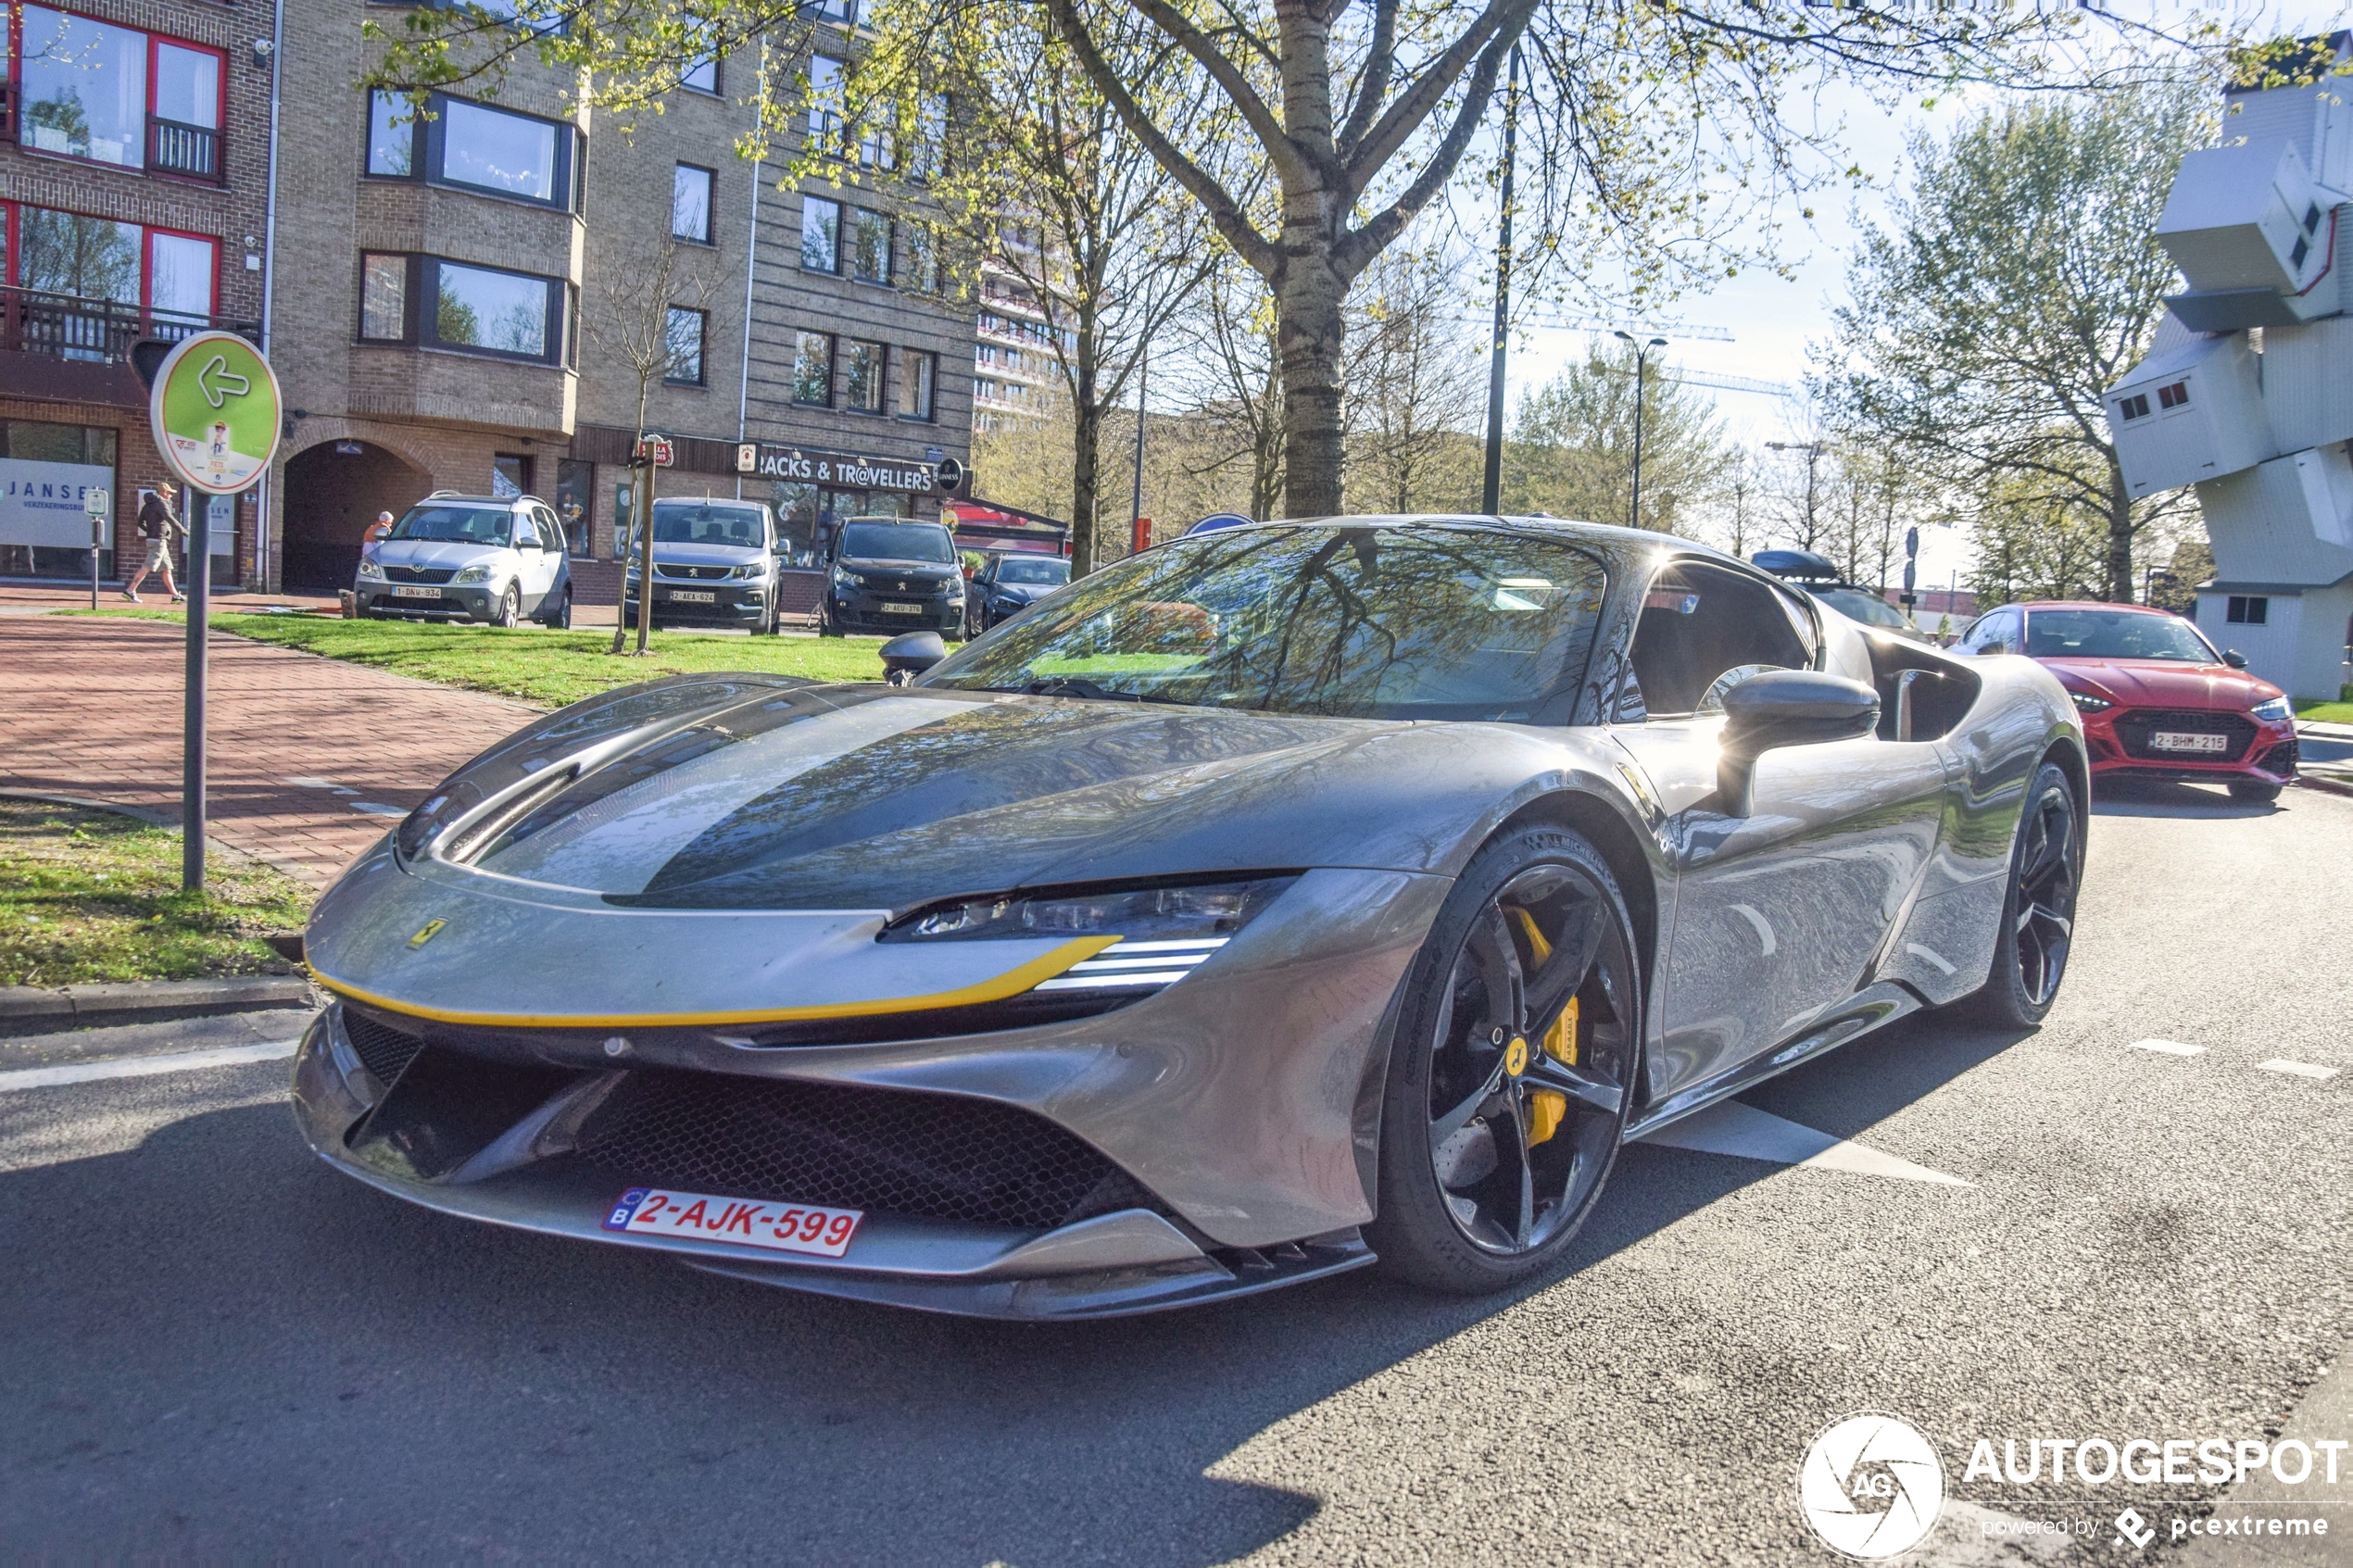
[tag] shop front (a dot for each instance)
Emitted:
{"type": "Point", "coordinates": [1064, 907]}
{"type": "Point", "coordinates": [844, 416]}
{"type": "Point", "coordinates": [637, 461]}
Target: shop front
{"type": "Point", "coordinates": [814, 491]}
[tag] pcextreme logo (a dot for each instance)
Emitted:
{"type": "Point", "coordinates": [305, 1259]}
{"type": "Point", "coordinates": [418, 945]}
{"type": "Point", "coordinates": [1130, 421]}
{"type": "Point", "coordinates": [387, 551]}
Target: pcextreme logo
{"type": "Point", "coordinates": [1872, 1485]}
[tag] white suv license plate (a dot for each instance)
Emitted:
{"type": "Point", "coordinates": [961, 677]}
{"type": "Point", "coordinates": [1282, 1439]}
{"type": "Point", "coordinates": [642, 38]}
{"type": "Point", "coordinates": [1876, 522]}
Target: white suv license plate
{"type": "Point", "coordinates": [2183, 740]}
{"type": "Point", "coordinates": [410, 591]}
{"type": "Point", "coordinates": [692, 597]}
{"type": "Point", "coordinates": [775, 1227]}
{"type": "Point", "coordinates": [902, 609]}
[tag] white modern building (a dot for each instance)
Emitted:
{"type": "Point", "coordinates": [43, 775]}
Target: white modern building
{"type": "Point", "coordinates": [2248, 391]}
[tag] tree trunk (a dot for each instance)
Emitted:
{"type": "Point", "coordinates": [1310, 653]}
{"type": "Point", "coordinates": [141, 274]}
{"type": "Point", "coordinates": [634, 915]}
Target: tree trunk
{"type": "Point", "coordinates": [1308, 302]}
{"type": "Point", "coordinates": [1086, 483]}
{"type": "Point", "coordinates": [2119, 535]}
{"type": "Point", "coordinates": [640, 517]}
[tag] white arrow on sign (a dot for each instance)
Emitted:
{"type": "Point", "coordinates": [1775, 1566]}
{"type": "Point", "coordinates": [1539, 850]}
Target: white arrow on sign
{"type": "Point", "coordinates": [216, 381]}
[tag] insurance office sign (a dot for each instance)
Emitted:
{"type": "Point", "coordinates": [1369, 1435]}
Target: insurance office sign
{"type": "Point", "coordinates": [841, 471]}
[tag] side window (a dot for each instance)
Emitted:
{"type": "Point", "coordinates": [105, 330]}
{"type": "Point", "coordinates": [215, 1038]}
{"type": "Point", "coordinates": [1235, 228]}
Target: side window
{"type": "Point", "coordinates": [1700, 622]}
{"type": "Point", "coordinates": [526, 532]}
{"type": "Point", "coordinates": [1998, 632]}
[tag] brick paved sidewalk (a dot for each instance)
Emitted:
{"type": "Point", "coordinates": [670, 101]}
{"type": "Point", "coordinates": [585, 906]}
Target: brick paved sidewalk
{"type": "Point", "coordinates": [311, 759]}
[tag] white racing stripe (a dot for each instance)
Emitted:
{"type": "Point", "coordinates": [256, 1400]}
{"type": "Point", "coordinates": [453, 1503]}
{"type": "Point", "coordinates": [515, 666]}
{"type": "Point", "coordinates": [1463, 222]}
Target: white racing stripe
{"type": "Point", "coordinates": [143, 1066]}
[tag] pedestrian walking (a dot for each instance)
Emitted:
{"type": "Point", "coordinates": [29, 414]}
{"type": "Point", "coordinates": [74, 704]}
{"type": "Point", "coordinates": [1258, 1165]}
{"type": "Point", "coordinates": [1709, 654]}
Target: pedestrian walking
{"type": "Point", "coordinates": [158, 523]}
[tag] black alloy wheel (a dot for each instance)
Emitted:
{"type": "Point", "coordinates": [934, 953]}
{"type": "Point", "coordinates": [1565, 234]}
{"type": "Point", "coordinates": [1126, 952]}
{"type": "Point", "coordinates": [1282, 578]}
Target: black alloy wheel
{"type": "Point", "coordinates": [1511, 1075]}
{"type": "Point", "coordinates": [559, 619]}
{"type": "Point", "coordinates": [2038, 914]}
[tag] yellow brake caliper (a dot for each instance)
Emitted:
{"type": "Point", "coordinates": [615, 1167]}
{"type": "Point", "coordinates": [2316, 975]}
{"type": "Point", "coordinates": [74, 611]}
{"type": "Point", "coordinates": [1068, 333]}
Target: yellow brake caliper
{"type": "Point", "coordinates": [1545, 1106]}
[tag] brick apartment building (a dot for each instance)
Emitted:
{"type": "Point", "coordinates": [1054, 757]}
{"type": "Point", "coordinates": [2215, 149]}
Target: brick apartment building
{"type": "Point", "coordinates": [447, 293]}
{"type": "Point", "coordinates": [134, 162]}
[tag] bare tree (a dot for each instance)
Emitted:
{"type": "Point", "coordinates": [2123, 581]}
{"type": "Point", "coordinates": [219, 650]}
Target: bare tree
{"type": "Point", "coordinates": [1416, 381]}
{"type": "Point", "coordinates": [648, 295]}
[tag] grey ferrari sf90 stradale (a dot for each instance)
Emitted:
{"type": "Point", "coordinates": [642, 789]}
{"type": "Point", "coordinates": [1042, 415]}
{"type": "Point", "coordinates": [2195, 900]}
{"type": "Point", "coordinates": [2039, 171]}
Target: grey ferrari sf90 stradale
{"type": "Point", "coordinates": [1267, 903]}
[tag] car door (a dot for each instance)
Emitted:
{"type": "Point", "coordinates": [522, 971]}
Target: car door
{"type": "Point", "coordinates": [538, 560]}
{"type": "Point", "coordinates": [1780, 914]}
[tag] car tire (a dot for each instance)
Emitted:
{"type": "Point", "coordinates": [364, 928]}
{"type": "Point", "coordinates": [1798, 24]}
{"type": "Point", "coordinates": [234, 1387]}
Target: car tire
{"type": "Point", "coordinates": [559, 617]}
{"type": "Point", "coordinates": [826, 626]}
{"type": "Point", "coordinates": [2047, 872]}
{"type": "Point", "coordinates": [509, 608]}
{"type": "Point", "coordinates": [2255, 792]}
{"type": "Point", "coordinates": [1480, 1184]}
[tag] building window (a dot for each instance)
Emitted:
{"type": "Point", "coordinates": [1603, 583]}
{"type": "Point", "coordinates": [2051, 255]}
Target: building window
{"type": "Point", "coordinates": [690, 204]}
{"type": "Point", "coordinates": [2136, 406]}
{"type": "Point", "coordinates": [473, 146]}
{"type": "Point", "coordinates": [114, 94]}
{"type": "Point", "coordinates": [384, 299]}
{"type": "Point", "coordinates": [684, 335]}
{"type": "Point", "coordinates": [862, 376]}
{"type": "Point", "coordinates": [842, 13]}
{"type": "Point", "coordinates": [2174, 396]}
{"type": "Point", "coordinates": [813, 369]}
{"type": "Point", "coordinates": [870, 245]}
{"type": "Point", "coordinates": [930, 139]}
{"type": "Point", "coordinates": [2245, 611]}
{"type": "Point", "coordinates": [702, 76]}
{"type": "Point", "coordinates": [820, 235]}
{"type": "Point", "coordinates": [918, 373]}
{"type": "Point", "coordinates": [825, 102]}
{"type": "Point", "coordinates": [172, 278]}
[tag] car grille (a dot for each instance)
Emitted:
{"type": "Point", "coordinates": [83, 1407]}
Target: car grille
{"type": "Point", "coordinates": [382, 1049]}
{"type": "Point", "coordinates": [893, 1150]}
{"type": "Point", "coordinates": [419, 573]}
{"type": "Point", "coordinates": [2135, 727]}
{"type": "Point", "coordinates": [691, 573]}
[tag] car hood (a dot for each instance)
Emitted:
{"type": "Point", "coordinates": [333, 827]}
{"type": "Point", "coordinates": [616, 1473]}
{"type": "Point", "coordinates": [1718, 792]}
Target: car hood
{"type": "Point", "coordinates": [864, 797]}
{"type": "Point", "coordinates": [913, 572]}
{"type": "Point", "coordinates": [707, 555]}
{"type": "Point", "coordinates": [1022, 593]}
{"type": "Point", "coordinates": [434, 552]}
{"type": "Point", "coordinates": [2159, 683]}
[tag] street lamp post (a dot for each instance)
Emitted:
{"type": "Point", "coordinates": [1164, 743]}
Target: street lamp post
{"type": "Point", "coordinates": [1491, 491]}
{"type": "Point", "coordinates": [1642, 355]}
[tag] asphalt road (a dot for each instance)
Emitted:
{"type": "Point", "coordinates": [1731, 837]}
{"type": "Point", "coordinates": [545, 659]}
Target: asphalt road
{"type": "Point", "coordinates": [212, 1345]}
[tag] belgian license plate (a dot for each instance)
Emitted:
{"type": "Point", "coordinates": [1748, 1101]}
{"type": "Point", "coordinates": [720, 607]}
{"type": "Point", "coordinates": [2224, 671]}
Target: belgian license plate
{"type": "Point", "coordinates": [775, 1227]}
{"type": "Point", "coordinates": [409, 591]}
{"type": "Point", "coordinates": [2185, 740]}
{"type": "Point", "coordinates": [692, 597]}
{"type": "Point", "coordinates": [902, 609]}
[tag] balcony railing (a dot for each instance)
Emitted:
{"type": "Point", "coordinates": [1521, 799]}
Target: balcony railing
{"type": "Point", "coordinates": [93, 331]}
{"type": "Point", "coordinates": [193, 151]}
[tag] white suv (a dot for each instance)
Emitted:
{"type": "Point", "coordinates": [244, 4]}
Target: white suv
{"type": "Point", "coordinates": [495, 559]}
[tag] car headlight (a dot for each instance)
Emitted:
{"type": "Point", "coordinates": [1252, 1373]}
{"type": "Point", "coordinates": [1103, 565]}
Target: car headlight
{"type": "Point", "coordinates": [1160, 934]}
{"type": "Point", "coordinates": [370, 567]}
{"type": "Point", "coordinates": [747, 572]}
{"type": "Point", "coordinates": [478, 573]}
{"type": "Point", "coordinates": [2276, 711]}
{"type": "Point", "coordinates": [2086, 703]}
{"type": "Point", "coordinates": [955, 587]}
{"type": "Point", "coordinates": [847, 578]}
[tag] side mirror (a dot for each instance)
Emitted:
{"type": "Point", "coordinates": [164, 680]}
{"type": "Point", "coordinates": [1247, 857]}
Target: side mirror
{"type": "Point", "coordinates": [906, 657]}
{"type": "Point", "coordinates": [2235, 659]}
{"type": "Point", "coordinates": [1786, 708]}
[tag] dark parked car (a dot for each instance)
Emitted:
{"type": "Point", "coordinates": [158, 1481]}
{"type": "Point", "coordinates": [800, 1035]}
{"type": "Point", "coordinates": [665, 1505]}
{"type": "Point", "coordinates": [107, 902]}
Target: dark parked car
{"type": "Point", "coordinates": [714, 565]}
{"type": "Point", "coordinates": [1008, 584]}
{"type": "Point", "coordinates": [891, 574]}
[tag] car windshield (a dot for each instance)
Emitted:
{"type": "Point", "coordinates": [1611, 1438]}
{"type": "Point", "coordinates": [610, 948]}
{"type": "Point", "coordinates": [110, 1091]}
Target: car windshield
{"type": "Point", "coordinates": [462, 525]}
{"type": "Point", "coordinates": [2114, 633]}
{"type": "Point", "coordinates": [1018, 569]}
{"type": "Point", "coordinates": [708, 523]}
{"type": "Point", "coordinates": [1861, 604]}
{"type": "Point", "coordinates": [896, 540]}
{"type": "Point", "coordinates": [1414, 621]}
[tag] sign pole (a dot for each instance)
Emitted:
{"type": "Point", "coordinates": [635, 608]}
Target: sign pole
{"type": "Point", "coordinates": [95, 503]}
{"type": "Point", "coordinates": [199, 579]}
{"type": "Point", "coordinates": [217, 414]}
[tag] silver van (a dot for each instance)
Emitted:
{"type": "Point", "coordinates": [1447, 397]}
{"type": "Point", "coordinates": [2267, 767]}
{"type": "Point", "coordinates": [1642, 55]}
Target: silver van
{"type": "Point", "coordinates": [715, 564]}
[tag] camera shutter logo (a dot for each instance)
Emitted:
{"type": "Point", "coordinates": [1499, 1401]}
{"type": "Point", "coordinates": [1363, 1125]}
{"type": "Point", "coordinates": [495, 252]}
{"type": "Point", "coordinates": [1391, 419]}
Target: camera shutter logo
{"type": "Point", "coordinates": [1870, 1485]}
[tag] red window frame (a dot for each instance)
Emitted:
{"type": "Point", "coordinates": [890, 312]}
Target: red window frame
{"type": "Point", "coordinates": [221, 94]}
{"type": "Point", "coordinates": [12, 263]}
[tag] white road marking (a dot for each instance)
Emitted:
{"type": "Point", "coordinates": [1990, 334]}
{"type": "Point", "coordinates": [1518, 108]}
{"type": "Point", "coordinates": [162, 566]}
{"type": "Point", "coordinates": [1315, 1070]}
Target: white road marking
{"type": "Point", "coordinates": [2300, 1068]}
{"type": "Point", "coordinates": [143, 1066]}
{"type": "Point", "coordinates": [2168, 1048]}
{"type": "Point", "coordinates": [376, 809]}
{"type": "Point", "coordinates": [328, 784]}
{"type": "Point", "coordinates": [1743, 1130]}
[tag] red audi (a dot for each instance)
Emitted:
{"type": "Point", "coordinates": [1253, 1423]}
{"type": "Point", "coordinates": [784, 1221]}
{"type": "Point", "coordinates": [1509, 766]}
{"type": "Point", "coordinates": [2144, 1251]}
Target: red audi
{"type": "Point", "coordinates": [2157, 700]}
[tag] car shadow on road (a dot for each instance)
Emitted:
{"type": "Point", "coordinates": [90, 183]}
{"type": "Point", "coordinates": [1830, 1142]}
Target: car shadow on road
{"type": "Point", "coordinates": [2156, 797]}
{"type": "Point", "coordinates": [224, 1334]}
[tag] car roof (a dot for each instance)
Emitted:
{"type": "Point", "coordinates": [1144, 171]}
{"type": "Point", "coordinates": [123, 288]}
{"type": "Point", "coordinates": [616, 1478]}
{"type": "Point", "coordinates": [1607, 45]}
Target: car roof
{"type": "Point", "coordinates": [2091, 604]}
{"type": "Point", "coordinates": [1611, 534]}
{"type": "Point", "coordinates": [480, 500]}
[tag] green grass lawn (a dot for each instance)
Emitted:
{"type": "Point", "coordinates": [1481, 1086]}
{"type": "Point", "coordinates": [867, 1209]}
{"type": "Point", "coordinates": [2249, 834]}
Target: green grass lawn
{"type": "Point", "coordinates": [88, 896]}
{"type": "Point", "coordinates": [2326, 712]}
{"type": "Point", "coordinates": [535, 665]}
